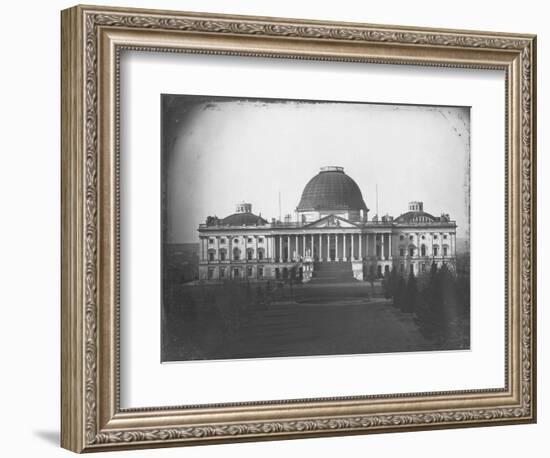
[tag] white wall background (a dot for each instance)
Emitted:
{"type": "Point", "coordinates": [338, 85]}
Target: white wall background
{"type": "Point", "coordinates": [29, 229]}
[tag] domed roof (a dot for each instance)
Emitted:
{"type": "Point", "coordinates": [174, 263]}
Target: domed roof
{"type": "Point", "coordinates": [416, 217]}
{"type": "Point", "coordinates": [243, 219]}
{"type": "Point", "coordinates": [331, 189]}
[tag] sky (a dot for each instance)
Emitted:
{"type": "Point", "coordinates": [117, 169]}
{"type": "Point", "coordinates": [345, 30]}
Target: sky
{"type": "Point", "coordinates": [218, 151]}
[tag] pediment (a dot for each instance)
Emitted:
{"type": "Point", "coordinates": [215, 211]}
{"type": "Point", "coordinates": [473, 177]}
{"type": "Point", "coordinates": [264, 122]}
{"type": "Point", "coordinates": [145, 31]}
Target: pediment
{"type": "Point", "coordinates": [331, 221]}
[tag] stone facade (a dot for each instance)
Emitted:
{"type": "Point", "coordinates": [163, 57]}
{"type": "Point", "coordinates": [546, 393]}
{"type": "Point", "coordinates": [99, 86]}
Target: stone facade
{"type": "Point", "coordinates": [246, 247]}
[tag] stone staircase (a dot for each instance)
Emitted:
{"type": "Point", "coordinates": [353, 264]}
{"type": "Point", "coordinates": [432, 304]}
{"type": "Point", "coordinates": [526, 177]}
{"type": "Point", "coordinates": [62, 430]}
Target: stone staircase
{"type": "Point", "coordinates": [332, 272]}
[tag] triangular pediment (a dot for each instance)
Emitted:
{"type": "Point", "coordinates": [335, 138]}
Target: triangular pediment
{"type": "Point", "coordinates": [331, 221]}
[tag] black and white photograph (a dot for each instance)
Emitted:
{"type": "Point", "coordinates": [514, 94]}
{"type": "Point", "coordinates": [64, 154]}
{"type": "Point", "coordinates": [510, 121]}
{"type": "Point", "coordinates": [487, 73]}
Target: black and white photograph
{"type": "Point", "coordinates": [302, 228]}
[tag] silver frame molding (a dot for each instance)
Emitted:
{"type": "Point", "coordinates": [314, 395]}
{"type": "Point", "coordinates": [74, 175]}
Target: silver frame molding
{"type": "Point", "coordinates": [92, 39]}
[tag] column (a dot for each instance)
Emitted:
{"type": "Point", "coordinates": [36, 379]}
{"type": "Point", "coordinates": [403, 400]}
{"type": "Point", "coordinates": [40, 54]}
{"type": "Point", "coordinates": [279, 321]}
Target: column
{"type": "Point", "coordinates": [352, 246]}
{"type": "Point", "coordinates": [367, 245]}
{"type": "Point", "coordinates": [304, 245]}
{"type": "Point", "coordinates": [256, 247]}
{"type": "Point", "coordinates": [360, 246]}
{"type": "Point", "coordinates": [229, 248]}
{"type": "Point", "coordinates": [280, 248]}
{"type": "Point", "coordinates": [321, 247]}
{"type": "Point", "coordinates": [217, 248]}
{"type": "Point", "coordinates": [344, 247]}
{"type": "Point", "coordinates": [297, 249]}
{"type": "Point", "coordinates": [288, 250]}
{"type": "Point", "coordinates": [382, 251]}
{"type": "Point", "coordinates": [389, 246]}
{"type": "Point", "coordinates": [336, 258]}
{"type": "Point", "coordinates": [453, 244]}
{"type": "Point", "coordinates": [328, 247]}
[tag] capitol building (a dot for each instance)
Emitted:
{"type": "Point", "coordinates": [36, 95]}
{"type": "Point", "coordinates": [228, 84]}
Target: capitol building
{"type": "Point", "coordinates": [331, 238]}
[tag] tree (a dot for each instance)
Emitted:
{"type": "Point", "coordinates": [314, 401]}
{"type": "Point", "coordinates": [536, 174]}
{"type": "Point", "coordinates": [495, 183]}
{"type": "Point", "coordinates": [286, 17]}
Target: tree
{"type": "Point", "coordinates": [400, 292]}
{"type": "Point", "coordinates": [386, 285]}
{"type": "Point", "coordinates": [428, 305]}
{"type": "Point", "coordinates": [371, 278]}
{"type": "Point", "coordinates": [409, 304]}
{"type": "Point", "coordinates": [449, 326]}
{"type": "Point", "coordinates": [393, 280]}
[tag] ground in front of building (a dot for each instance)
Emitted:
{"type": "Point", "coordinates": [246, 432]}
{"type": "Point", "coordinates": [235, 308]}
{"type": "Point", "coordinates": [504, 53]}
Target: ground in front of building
{"type": "Point", "coordinates": [274, 319]}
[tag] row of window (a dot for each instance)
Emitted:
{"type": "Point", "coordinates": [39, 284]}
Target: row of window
{"type": "Point", "coordinates": [423, 237]}
{"type": "Point", "coordinates": [236, 273]}
{"type": "Point", "coordinates": [249, 240]}
{"type": "Point", "coordinates": [423, 251]}
{"type": "Point", "coordinates": [236, 254]}
{"type": "Point", "coordinates": [211, 241]}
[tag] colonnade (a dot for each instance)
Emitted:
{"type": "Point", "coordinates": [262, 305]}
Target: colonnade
{"type": "Point", "coordinates": [329, 247]}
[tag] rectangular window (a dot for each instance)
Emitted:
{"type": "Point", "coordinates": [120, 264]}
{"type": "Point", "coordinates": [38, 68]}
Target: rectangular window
{"type": "Point", "coordinates": [211, 256]}
{"type": "Point", "coordinates": [235, 273]}
{"type": "Point", "coordinates": [445, 250]}
{"type": "Point", "coordinates": [260, 272]}
{"type": "Point", "coordinates": [211, 241]}
{"type": "Point", "coordinates": [423, 267]}
{"type": "Point", "coordinates": [260, 240]}
{"type": "Point", "coordinates": [250, 239]}
{"type": "Point", "coordinates": [401, 252]}
{"type": "Point", "coordinates": [222, 272]}
{"type": "Point", "coordinates": [222, 255]}
{"type": "Point", "coordinates": [249, 271]}
{"type": "Point", "coordinates": [210, 274]}
{"type": "Point", "coordinates": [222, 241]}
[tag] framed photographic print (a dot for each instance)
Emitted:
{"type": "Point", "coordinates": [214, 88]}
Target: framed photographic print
{"type": "Point", "coordinates": [279, 228]}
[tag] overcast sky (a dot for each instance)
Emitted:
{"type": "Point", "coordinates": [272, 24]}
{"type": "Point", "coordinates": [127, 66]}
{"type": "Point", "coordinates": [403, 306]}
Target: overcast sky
{"type": "Point", "coordinates": [219, 151]}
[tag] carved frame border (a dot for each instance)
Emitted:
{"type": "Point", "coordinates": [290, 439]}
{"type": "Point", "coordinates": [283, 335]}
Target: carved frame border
{"type": "Point", "coordinates": [91, 415]}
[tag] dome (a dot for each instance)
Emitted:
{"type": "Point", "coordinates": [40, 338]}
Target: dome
{"type": "Point", "coordinates": [331, 189]}
{"type": "Point", "coordinates": [418, 216]}
{"type": "Point", "coordinates": [243, 219]}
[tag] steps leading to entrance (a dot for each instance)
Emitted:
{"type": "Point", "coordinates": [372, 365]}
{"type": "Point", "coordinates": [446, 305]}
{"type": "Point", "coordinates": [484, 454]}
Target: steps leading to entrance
{"type": "Point", "coordinates": [329, 272]}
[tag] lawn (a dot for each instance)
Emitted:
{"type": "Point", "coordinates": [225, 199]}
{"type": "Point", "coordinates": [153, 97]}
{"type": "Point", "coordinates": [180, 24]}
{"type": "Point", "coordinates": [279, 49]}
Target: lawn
{"type": "Point", "coordinates": [240, 320]}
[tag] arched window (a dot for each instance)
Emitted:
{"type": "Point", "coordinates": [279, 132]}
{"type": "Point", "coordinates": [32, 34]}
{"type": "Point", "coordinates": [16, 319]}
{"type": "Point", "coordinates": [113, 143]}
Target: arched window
{"type": "Point", "coordinates": [411, 251]}
{"type": "Point", "coordinates": [236, 254]}
{"type": "Point", "coordinates": [249, 254]}
{"type": "Point", "coordinates": [423, 250]}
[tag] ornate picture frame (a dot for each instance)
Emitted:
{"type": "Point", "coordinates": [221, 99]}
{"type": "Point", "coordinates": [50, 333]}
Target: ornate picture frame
{"type": "Point", "coordinates": [92, 40]}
